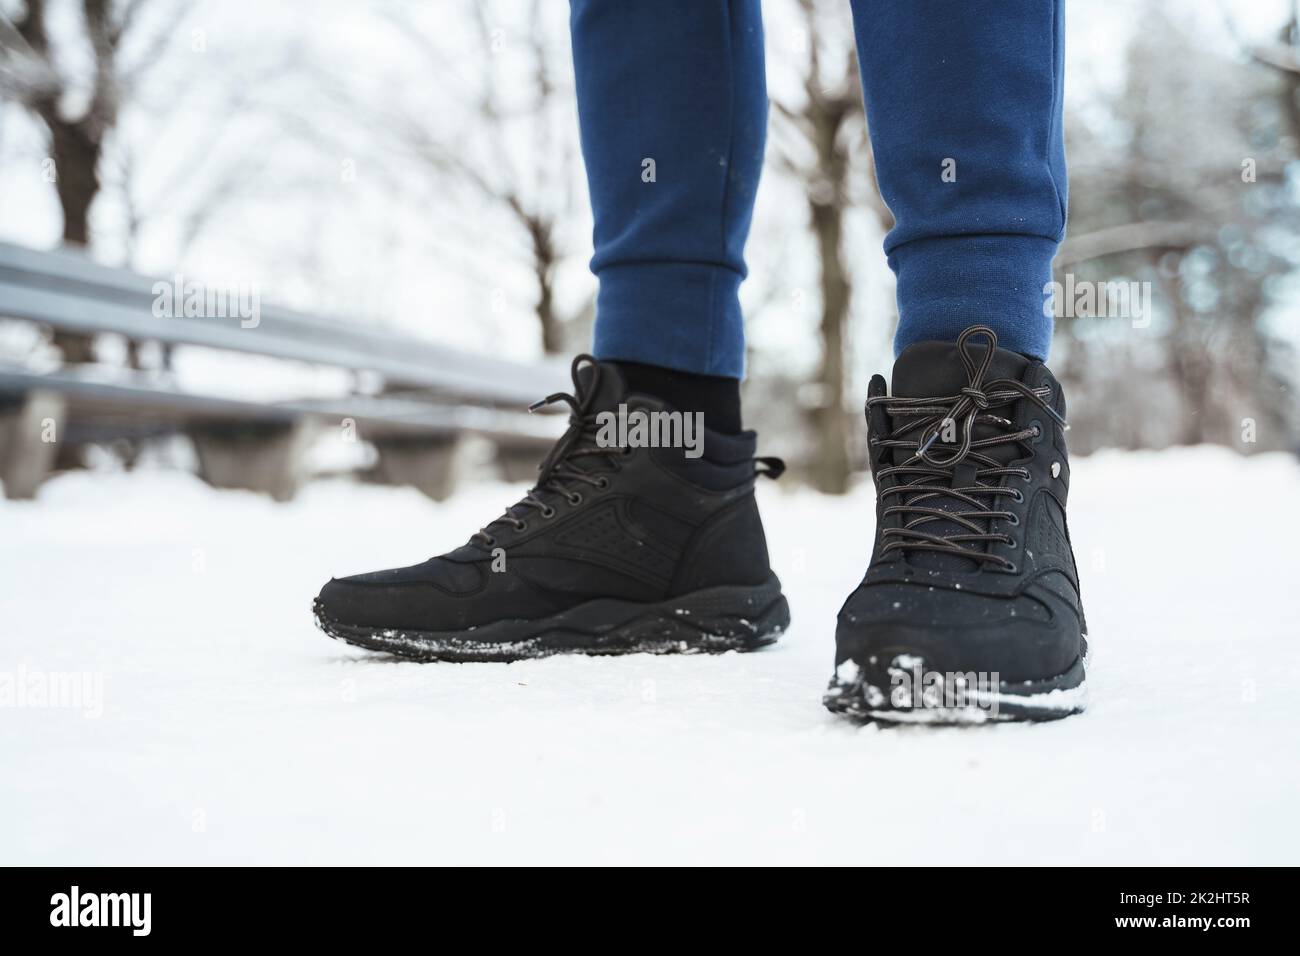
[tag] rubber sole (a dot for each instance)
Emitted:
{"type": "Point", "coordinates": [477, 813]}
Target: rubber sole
{"type": "Point", "coordinates": [874, 698]}
{"type": "Point", "coordinates": [709, 621]}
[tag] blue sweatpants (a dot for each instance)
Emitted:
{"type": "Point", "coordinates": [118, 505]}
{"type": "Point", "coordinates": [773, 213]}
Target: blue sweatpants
{"type": "Point", "coordinates": [964, 105]}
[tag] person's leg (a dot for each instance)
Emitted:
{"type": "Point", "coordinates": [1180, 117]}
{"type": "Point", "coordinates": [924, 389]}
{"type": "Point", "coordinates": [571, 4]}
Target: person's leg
{"type": "Point", "coordinates": [672, 105]}
{"type": "Point", "coordinates": [624, 548]}
{"type": "Point", "coordinates": [972, 586]}
{"type": "Point", "coordinates": [964, 104]}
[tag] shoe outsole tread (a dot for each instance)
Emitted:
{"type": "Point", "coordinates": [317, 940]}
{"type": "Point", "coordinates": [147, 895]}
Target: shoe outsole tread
{"type": "Point", "coordinates": [709, 621]}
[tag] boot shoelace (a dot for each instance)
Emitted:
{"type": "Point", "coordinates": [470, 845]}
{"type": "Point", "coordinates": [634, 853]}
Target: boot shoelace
{"type": "Point", "coordinates": [559, 472]}
{"type": "Point", "coordinates": [964, 474]}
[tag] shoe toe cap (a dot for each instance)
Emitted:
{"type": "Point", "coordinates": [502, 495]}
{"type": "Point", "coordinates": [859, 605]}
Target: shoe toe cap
{"type": "Point", "coordinates": [949, 629]}
{"type": "Point", "coordinates": [349, 601]}
{"type": "Point", "coordinates": [421, 597]}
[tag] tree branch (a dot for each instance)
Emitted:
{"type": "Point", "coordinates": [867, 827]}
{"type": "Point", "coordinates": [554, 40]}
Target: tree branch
{"type": "Point", "coordinates": [1131, 237]}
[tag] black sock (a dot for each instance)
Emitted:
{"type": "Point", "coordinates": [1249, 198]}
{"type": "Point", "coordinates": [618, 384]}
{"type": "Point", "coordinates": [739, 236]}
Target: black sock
{"type": "Point", "coordinates": [717, 396]}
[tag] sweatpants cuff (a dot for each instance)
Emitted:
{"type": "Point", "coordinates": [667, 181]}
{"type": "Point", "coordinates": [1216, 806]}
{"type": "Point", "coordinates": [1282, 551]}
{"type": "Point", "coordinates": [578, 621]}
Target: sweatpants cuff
{"type": "Point", "coordinates": [1002, 281]}
{"type": "Point", "coordinates": [679, 315]}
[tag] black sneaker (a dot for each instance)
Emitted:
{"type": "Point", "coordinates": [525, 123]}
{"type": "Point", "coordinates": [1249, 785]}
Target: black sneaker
{"type": "Point", "coordinates": [970, 609]}
{"type": "Point", "coordinates": [616, 550]}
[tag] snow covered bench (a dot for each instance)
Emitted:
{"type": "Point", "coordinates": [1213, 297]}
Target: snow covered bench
{"type": "Point", "coordinates": [419, 398]}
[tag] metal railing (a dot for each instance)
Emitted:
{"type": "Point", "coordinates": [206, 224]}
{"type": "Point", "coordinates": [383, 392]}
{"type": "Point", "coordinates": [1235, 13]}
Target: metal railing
{"type": "Point", "coordinates": [431, 395]}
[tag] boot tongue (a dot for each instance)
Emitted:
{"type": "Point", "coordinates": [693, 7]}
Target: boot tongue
{"type": "Point", "coordinates": [928, 369]}
{"type": "Point", "coordinates": [600, 386]}
{"type": "Point", "coordinates": [935, 370]}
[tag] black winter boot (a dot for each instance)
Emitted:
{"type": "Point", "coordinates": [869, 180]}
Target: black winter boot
{"type": "Point", "coordinates": [618, 549]}
{"type": "Point", "coordinates": [970, 608]}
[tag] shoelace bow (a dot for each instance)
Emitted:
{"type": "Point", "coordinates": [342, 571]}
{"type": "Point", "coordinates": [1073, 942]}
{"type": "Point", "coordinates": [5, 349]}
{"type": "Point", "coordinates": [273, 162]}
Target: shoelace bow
{"type": "Point", "coordinates": [558, 469]}
{"type": "Point", "coordinates": [924, 474]}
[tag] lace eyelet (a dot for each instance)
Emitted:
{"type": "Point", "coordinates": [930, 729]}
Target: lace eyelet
{"type": "Point", "coordinates": [1037, 428]}
{"type": "Point", "coordinates": [1011, 543]}
{"type": "Point", "coordinates": [1020, 497]}
{"type": "Point", "coordinates": [1012, 568]}
{"type": "Point", "coordinates": [548, 512]}
{"type": "Point", "coordinates": [603, 483]}
{"type": "Point", "coordinates": [521, 525]}
{"type": "Point", "coordinates": [575, 498]}
{"type": "Point", "coordinates": [1014, 519]}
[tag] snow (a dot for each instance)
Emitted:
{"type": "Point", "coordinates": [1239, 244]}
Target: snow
{"type": "Point", "coordinates": [232, 731]}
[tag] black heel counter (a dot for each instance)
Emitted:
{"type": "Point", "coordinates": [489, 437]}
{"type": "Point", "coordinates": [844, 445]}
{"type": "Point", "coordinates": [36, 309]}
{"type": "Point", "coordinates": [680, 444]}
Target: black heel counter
{"type": "Point", "coordinates": [729, 548]}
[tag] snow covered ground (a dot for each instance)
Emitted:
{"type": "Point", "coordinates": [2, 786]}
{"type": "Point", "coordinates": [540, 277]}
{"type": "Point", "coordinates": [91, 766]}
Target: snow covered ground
{"type": "Point", "coordinates": [229, 730]}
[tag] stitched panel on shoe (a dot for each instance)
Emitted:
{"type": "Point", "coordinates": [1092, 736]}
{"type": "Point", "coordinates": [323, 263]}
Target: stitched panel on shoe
{"type": "Point", "coordinates": [603, 533]}
{"type": "Point", "coordinates": [669, 529]}
{"type": "Point", "coordinates": [1045, 532]}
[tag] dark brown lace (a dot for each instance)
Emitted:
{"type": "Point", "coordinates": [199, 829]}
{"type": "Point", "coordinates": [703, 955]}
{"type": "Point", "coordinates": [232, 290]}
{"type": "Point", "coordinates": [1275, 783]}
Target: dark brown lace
{"type": "Point", "coordinates": [558, 471]}
{"type": "Point", "coordinates": [926, 477]}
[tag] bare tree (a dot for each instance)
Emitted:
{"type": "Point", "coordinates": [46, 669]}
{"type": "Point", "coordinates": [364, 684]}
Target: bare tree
{"type": "Point", "coordinates": [821, 141]}
{"type": "Point", "coordinates": [1203, 225]}
{"type": "Point", "coordinates": [30, 74]}
{"type": "Point", "coordinates": [531, 186]}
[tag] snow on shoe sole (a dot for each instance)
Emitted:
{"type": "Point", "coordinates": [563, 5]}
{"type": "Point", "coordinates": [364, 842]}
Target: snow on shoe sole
{"type": "Point", "coordinates": [867, 696]}
{"type": "Point", "coordinates": [711, 620]}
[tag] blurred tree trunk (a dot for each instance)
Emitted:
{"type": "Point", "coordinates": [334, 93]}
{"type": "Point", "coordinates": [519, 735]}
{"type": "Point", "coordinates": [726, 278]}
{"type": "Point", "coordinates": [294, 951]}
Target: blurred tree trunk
{"type": "Point", "coordinates": [825, 121]}
{"type": "Point", "coordinates": [833, 467]}
{"type": "Point", "coordinates": [546, 260]}
{"type": "Point", "coordinates": [76, 148]}
{"type": "Point", "coordinates": [76, 141]}
{"type": "Point", "coordinates": [510, 104]}
{"type": "Point", "coordinates": [1189, 367]}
